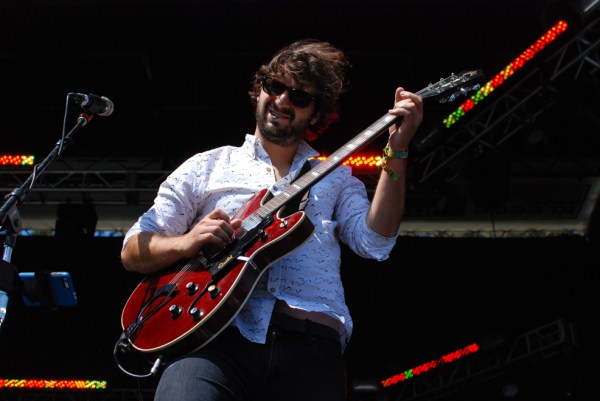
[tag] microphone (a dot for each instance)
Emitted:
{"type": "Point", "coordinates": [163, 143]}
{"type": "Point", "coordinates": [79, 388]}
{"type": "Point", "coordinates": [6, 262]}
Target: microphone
{"type": "Point", "coordinates": [94, 104]}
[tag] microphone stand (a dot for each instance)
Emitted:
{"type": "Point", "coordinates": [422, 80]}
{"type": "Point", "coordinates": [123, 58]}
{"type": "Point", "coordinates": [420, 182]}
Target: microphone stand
{"type": "Point", "coordinates": [9, 215]}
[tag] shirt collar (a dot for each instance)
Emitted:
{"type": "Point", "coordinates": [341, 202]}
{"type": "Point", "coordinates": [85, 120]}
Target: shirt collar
{"type": "Point", "coordinates": [253, 146]}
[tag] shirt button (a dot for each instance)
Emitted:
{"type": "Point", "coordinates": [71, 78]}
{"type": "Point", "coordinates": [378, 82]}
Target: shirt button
{"type": "Point", "coordinates": [268, 169]}
{"type": "Point", "coordinates": [272, 289]}
{"type": "Point", "coordinates": [275, 187]}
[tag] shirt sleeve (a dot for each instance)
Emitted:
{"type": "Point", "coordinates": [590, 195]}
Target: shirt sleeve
{"type": "Point", "coordinates": [351, 213]}
{"type": "Point", "coordinates": [175, 205]}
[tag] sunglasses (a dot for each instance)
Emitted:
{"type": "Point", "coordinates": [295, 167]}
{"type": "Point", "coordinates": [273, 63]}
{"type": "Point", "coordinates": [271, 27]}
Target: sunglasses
{"type": "Point", "coordinates": [298, 98]}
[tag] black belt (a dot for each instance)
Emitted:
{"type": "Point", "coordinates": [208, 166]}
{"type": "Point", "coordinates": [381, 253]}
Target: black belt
{"type": "Point", "coordinates": [305, 326]}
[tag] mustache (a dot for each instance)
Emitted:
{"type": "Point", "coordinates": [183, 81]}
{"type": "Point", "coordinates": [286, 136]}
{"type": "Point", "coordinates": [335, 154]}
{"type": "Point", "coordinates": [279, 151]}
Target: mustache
{"type": "Point", "coordinates": [287, 111]}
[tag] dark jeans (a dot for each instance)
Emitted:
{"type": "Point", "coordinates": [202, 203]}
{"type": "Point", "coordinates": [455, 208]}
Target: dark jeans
{"type": "Point", "coordinates": [291, 366]}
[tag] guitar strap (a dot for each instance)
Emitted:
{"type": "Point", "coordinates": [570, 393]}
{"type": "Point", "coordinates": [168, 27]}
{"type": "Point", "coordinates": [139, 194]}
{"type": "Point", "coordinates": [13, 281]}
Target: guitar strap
{"type": "Point", "coordinates": [305, 168]}
{"type": "Point", "coordinates": [300, 202]}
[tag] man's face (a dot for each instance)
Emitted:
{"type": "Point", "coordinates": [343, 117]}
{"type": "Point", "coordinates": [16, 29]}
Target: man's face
{"type": "Point", "coordinates": [282, 112]}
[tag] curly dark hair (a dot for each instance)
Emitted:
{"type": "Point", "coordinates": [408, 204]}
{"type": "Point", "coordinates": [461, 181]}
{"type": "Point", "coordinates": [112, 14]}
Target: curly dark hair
{"type": "Point", "coordinates": [315, 64]}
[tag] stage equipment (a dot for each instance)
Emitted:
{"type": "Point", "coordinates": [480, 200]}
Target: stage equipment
{"type": "Point", "coordinates": [10, 220]}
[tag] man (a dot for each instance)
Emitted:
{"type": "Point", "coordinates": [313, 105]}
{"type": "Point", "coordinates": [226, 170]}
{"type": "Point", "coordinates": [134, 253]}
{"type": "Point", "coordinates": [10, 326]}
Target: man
{"type": "Point", "coordinates": [287, 341]}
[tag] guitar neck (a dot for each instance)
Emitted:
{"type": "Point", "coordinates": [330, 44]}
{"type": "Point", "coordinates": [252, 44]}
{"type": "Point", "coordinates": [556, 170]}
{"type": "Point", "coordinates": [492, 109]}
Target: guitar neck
{"type": "Point", "coordinates": [454, 83]}
{"type": "Point", "coordinates": [322, 169]}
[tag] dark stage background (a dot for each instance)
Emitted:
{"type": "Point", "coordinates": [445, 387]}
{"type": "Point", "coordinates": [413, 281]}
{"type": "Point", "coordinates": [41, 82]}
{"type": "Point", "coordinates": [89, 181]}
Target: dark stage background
{"type": "Point", "coordinates": [178, 73]}
{"type": "Point", "coordinates": [432, 297]}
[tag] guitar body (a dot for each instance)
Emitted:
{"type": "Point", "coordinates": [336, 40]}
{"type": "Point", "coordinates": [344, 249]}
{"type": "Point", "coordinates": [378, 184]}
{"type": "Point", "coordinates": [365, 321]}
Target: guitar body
{"type": "Point", "coordinates": [182, 308]}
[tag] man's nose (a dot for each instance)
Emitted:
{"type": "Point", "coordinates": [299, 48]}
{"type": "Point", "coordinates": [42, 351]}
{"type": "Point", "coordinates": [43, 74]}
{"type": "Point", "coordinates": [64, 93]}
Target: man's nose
{"type": "Point", "coordinates": [284, 95]}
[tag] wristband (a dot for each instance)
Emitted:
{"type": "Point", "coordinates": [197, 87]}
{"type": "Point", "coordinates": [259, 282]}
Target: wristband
{"type": "Point", "coordinates": [394, 154]}
{"type": "Point", "coordinates": [382, 164]}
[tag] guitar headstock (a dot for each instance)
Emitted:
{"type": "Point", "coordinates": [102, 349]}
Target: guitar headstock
{"type": "Point", "coordinates": [450, 88]}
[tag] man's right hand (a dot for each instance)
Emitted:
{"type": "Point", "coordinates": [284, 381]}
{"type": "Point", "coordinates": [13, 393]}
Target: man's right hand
{"type": "Point", "coordinates": [148, 252]}
{"type": "Point", "coordinates": [215, 230]}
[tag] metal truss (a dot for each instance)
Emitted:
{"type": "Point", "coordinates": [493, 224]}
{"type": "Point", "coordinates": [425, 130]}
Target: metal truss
{"type": "Point", "coordinates": [536, 345]}
{"type": "Point", "coordinates": [516, 108]}
{"type": "Point", "coordinates": [132, 181]}
{"type": "Point", "coordinates": [104, 181]}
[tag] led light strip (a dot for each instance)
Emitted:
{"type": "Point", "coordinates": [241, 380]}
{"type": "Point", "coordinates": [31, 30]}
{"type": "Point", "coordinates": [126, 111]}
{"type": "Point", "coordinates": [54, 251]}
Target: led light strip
{"type": "Point", "coordinates": [506, 73]}
{"type": "Point", "coordinates": [358, 161]}
{"type": "Point", "coordinates": [54, 384]}
{"type": "Point", "coordinates": [451, 357]}
{"type": "Point", "coordinates": [16, 160]}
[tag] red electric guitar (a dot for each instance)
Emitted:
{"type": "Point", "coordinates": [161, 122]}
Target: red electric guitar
{"type": "Point", "coordinates": [182, 308]}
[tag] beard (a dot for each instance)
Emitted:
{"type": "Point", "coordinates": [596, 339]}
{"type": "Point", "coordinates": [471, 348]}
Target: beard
{"type": "Point", "coordinates": [288, 135]}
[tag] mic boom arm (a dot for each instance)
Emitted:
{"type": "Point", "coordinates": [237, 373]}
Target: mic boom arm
{"type": "Point", "coordinates": [9, 216]}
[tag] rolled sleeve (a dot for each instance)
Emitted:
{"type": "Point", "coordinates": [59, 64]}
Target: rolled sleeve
{"type": "Point", "coordinates": [351, 212]}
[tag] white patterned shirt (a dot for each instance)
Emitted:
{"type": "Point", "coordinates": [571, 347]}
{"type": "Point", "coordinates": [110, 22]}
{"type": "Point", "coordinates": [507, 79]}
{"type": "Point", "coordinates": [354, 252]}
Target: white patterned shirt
{"type": "Point", "coordinates": [307, 278]}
